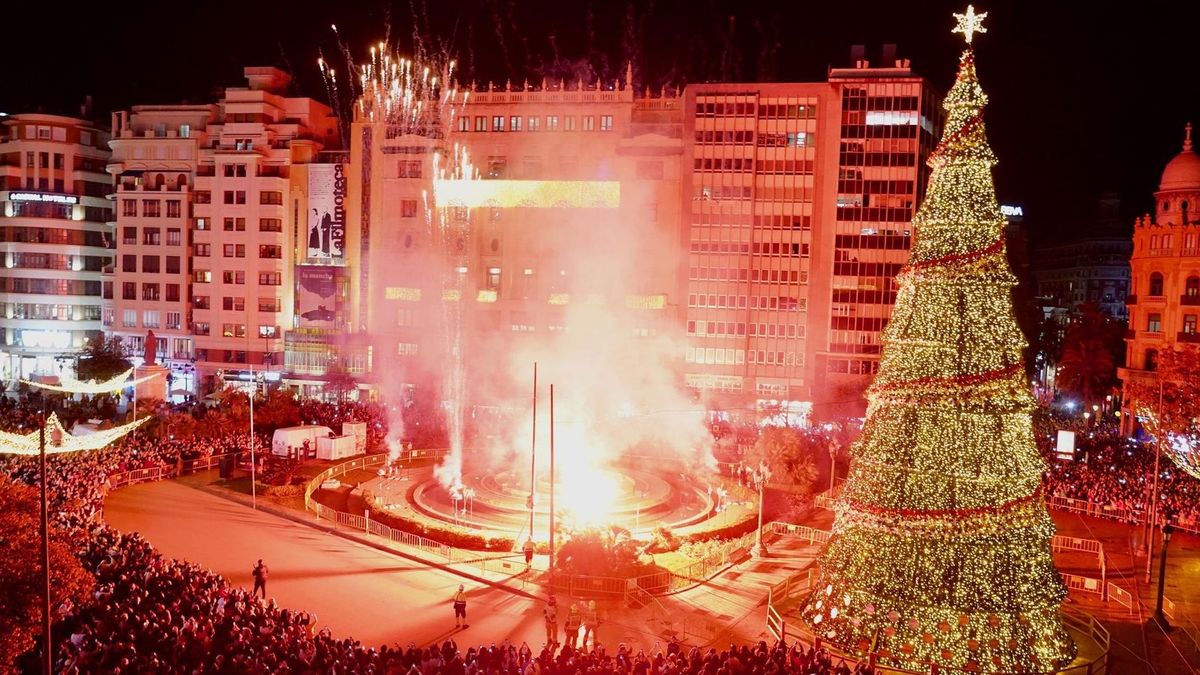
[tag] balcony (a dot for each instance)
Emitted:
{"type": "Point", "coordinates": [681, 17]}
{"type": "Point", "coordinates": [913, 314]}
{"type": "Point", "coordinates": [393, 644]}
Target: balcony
{"type": "Point", "coordinates": [1189, 300]}
{"type": "Point", "coordinates": [1188, 338]}
{"type": "Point", "coordinates": [1131, 300]}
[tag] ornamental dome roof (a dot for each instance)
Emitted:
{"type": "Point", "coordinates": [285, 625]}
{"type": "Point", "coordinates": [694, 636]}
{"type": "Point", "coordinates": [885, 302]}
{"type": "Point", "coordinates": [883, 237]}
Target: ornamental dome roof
{"type": "Point", "coordinates": [1183, 172]}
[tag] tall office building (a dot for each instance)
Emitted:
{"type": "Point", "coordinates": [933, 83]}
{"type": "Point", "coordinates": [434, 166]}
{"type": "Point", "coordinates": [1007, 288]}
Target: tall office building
{"type": "Point", "coordinates": [210, 225]}
{"type": "Point", "coordinates": [798, 199]}
{"type": "Point", "coordinates": [54, 238]}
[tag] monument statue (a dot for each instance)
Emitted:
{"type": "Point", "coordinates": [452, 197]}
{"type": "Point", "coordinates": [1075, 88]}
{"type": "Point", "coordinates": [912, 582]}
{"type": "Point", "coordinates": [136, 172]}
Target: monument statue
{"type": "Point", "coordinates": [151, 349]}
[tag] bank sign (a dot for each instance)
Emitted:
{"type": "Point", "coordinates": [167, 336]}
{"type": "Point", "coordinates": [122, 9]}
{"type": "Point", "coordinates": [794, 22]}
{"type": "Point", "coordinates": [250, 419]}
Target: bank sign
{"type": "Point", "coordinates": [326, 232]}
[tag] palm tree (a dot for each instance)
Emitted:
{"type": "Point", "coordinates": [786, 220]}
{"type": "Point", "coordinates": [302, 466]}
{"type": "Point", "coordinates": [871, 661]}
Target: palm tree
{"type": "Point", "coordinates": [1088, 366]}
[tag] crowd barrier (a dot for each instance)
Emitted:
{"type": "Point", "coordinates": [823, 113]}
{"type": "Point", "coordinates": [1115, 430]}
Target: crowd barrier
{"type": "Point", "coordinates": [1120, 596]}
{"type": "Point", "coordinates": [152, 473]}
{"type": "Point", "coordinates": [1124, 514]}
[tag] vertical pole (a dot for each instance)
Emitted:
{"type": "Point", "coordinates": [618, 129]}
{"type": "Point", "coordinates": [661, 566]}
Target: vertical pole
{"type": "Point", "coordinates": [533, 454]}
{"type": "Point", "coordinates": [1162, 578]}
{"type": "Point", "coordinates": [552, 477]}
{"type": "Point", "coordinates": [47, 654]}
{"type": "Point", "coordinates": [1152, 519]}
{"type": "Point", "coordinates": [253, 462]}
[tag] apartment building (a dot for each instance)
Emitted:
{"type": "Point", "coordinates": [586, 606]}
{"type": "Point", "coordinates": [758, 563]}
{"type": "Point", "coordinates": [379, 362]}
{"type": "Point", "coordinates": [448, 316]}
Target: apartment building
{"type": "Point", "coordinates": [210, 201]}
{"type": "Point", "coordinates": [55, 238]}
{"type": "Point", "coordinates": [1164, 300]}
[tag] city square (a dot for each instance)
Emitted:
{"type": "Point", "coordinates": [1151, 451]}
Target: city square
{"type": "Point", "coordinates": [494, 339]}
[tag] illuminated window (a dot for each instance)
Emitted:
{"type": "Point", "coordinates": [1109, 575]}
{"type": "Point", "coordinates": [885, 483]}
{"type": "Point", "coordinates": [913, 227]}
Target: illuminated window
{"type": "Point", "coordinates": [464, 123]}
{"type": "Point", "coordinates": [606, 122]}
{"type": "Point", "coordinates": [498, 123]}
{"type": "Point", "coordinates": [551, 122]}
{"type": "Point", "coordinates": [535, 123]}
{"type": "Point", "coordinates": [569, 122]}
{"type": "Point", "coordinates": [514, 123]}
{"type": "Point", "coordinates": [480, 123]}
{"type": "Point", "coordinates": [408, 208]}
{"type": "Point", "coordinates": [589, 123]}
{"type": "Point", "coordinates": [1156, 284]}
{"type": "Point", "coordinates": [1189, 324]}
{"type": "Point", "coordinates": [1154, 323]}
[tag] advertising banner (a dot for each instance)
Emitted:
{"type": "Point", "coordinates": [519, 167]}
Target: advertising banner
{"type": "Point", "coordinates": [326, 229]}
{"type": "Point", "coordinates": [319, 296]}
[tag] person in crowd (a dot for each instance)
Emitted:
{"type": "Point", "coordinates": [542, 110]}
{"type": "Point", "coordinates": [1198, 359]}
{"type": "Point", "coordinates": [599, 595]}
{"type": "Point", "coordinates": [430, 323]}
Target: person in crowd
{"type": "Point", "coordinates": [550, 616]}
{"type": "Point", "coordinates": [260, 578]}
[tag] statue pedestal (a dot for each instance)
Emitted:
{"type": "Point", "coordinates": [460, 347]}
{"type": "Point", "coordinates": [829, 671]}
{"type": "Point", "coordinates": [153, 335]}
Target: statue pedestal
{"type": "Point", "coordinates": [155, 388]}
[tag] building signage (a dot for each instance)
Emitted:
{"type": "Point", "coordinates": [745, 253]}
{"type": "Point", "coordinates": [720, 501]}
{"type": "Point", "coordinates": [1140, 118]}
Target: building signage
{"type": "Point", "coordinates": [1006, 210]}
{"type": "Point", "coordinates": [326, 212]}
{"type": "Point", "coordinates": [42, 197]}
{"type": "Point", "coordinates": [319, 292]}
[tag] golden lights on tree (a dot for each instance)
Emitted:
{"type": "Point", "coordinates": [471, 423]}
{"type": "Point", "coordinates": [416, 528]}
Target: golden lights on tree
{"type": "Point", "coordinates": [941, 553]}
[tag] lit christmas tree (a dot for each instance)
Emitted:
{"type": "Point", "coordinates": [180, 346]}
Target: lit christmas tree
{"type": "Point", "coordinates": [941, 553]}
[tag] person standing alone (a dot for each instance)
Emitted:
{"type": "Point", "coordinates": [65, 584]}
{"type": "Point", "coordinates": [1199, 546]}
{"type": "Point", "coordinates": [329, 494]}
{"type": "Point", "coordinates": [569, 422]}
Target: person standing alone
{"type": "Point", "coordinates": [260, 579]}
{"type": "Point", "coordinates": [460, 608]}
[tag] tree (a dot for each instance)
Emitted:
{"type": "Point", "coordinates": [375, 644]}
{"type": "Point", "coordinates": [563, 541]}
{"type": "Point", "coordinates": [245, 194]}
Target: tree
{"type": "Point", "coordinates": [788, 453]}
{"type": "Point", "coordinates": [1088, 366]}
{"type": "Point", "coordinates": [941, 553]}
{"type": "Point", "coordinates": [103, 358]}
{"type": "Point", "coordinates": [21, 571]}
{"type": "Point", "coordinates": [1177, 420]}
{"type": "Point", "coordinates": [340, 381]}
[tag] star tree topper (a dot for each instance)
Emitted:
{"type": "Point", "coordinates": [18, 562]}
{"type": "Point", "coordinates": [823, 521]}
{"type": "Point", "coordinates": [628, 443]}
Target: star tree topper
{"type": "Point", "coordinates": [969, 23]}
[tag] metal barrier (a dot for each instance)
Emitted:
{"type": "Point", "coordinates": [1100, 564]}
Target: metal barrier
{"type": "Point", "coordinates": [162, 471]}
{"type": "Point", "coordinates": [1063, 543]}
{"type": "Point", "coordinates": [1119, 595]}
{"type": "Point", "coordinates": [1076, 582]}
{"type": "Point", "coordinates": [1169, 608]}
{"type": "Point", "coordinates": [1137, 516]}
{"type": "Point", "coordinates": [813, 535]}
{"type": "Point", "coordinates": [775, 625]}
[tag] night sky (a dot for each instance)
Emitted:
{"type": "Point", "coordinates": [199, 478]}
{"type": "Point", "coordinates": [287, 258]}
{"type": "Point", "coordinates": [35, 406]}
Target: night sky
{"type": "Point", "coordinates": [1084, 100]}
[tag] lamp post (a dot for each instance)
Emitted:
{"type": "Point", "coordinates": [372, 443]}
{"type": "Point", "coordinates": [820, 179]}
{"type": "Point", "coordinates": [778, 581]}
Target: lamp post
{"type": "Point", "coordinates": [1159, 617]}
{"type": "Point", "coordinates": [47, 643]}
{"type": "Point", "coordinates": [760, 476]}
{"type": "Point", "coordinates": [1153, 517]}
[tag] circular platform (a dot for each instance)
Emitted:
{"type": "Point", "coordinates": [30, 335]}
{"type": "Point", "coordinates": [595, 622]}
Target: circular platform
{"type": "Point", "coordinates": [638, 497]}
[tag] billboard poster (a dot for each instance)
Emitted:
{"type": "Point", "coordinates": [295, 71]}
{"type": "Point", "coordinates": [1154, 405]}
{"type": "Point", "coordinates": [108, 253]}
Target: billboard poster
{"type": "Point", "coordinates": [326, 223]}
{"type": "Point", "coordinates": [318, 296]}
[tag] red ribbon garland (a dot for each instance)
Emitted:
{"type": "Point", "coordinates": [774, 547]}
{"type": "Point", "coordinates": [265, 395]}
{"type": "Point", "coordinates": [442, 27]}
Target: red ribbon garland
{"type": "Point", "coordinates": [940, 150]}
{"type": "Point", "coordinates": [966, 380]}
{"type": "Point", "coordinates": [956, 258]}
{"type": "Point", "coordinates": [962, 513]}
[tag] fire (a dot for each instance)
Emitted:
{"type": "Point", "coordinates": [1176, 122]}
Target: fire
{"type": "Point", "coordinates": [589, 495]}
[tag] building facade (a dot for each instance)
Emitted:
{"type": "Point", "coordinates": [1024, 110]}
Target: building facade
{"type": "Point", "coordinates": [208, 209]}
{"type": "Point", "coordinates": [55, 238]}
{"type": "Point", "coordinates": [1164, 302]}
{"type": "Point", "coordinates": [798, 200]}
{"type": "Point", "coordinates": [1091, 270]}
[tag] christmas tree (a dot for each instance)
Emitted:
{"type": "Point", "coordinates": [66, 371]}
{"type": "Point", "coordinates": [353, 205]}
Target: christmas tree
{"type": "Point", "coordinates": [941, 553]}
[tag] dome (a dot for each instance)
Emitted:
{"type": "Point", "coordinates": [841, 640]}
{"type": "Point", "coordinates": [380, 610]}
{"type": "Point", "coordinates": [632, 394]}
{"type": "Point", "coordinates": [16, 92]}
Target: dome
{"type": "Point", "coordinates": [1183, 172]}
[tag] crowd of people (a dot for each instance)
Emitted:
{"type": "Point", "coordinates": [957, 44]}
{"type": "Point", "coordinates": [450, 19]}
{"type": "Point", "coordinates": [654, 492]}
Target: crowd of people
{"type": "Point", "coordinates": [148, 613]}
{"type": "Point", "coordinates": [1115, 473]}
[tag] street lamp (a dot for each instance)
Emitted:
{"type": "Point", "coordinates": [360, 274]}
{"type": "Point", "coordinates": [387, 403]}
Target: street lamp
{"type": "Point", "coordinates": [1159, 617]}
{"type": "Point", "coordinates": [760, 476]}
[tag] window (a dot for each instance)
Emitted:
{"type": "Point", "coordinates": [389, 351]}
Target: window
{"type": "Point", "coordinates": [268, 305]}
{"type": "Point", "coordinates": [151, 208]}
{"type": "Point", "coordinates": [128, 290]}
{"type": "Point", "coordinates": [1189, 324]}
{"type": "Point", "coordinates": [270, 225]}
{"type": "Point", "coordinates": [202, 250]}
{"type": "Point", "coordinates": [202, 223]}
{"type": "Point", "coordinates": [606, 123]}
{"type": "Point", "coordinates": [233, 330]}
{"type": "Point", "coordinates": [129, 236]}
{"type": "Point", "coordinates": [202, 276]}
{"type": "Point", "coordinates": [230, 304]}
{"type": "Point", "coordinates": [128, 207]}
{"type": "Point", "coordinates": [172, 292]}
{"type": "Point", "coordinates": [269, 278]}
{"type": "Point", "coordinates": [514, 123]}
{"type": "Point", "coordinates": [235, 250]}
{"type": "Point", "coordinates": [268, 331]}
{"type": "Point", "coordinates": [1191, 287]}
{"type": "Point", "coordinates": [129, 318]}
{"type": "Point", "coordinates": [1154, 323]}
{"type": "Point", "coordinates": [551, 122]}
{"type": "Point", "coordinates": [534, 123]}
{"type": "Point", "coordinates": [185, 131]}
{"type": "Point", "coordinates": [235, 197]}
{"type": "Point", "coordinates": [129, 263]}
{"type": "Point", "coordinates": [589, 123]}
{"type": "Point", "coordinates": [408, 168]}
{"type": "Point", "coordinates": [43, 157]}
{"type": "Point", "coordinates": [480, 123]}
{"type": "Point", "coordinates": [200, 302]}
{"type": "Point", "coordinates": [235, 170]}
{"type": "Point", "coordinates": [174, 320]}
{"type": "Point", "coordinates": [408, 208]}
{"type": "Point", "coordinates": [173, 208]}
{"type": "Point", "coordinates": [200, 328]}
{"type": "Point", "coordinates": [150, 318]}
{"type": "Point", "coordinates": [1151, 362]}
{"type": "Point", "coordinates": [272, 197]}
{"type": "Point", "coordinates": [1156, 284]}
{"type": "Point", "coordinates": [270, 251]}
{"type": "Point", "coordinates": [464, 123]}
{"type": "Point", "coordinates": [152, 236]}
{"type": "Point", "coordinates": [498, 123]}
{"type": "Point", "coordinates": [231, 277]}
{"type": "Point", "coordinates": [174, 236]}
{"type": "Point", "coordinates": [569, 122]}
{"type": "Point", "coordinates": [150, 292]}
{"type": "Point", "coordinates": [173, 264]}
{"type": "Point", "coordinates": [497, 166]}
{"type": "Point", "coordinates": [150, 264]}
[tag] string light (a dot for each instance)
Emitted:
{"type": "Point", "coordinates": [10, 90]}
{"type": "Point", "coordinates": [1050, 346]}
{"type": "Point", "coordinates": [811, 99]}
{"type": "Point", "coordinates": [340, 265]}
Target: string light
{"type": "Point", "coordinates": [941, 549]}
{"type": "Point", "coordinates": [91, 387]}
{"type": "Point", "coordinates": [59, 440]}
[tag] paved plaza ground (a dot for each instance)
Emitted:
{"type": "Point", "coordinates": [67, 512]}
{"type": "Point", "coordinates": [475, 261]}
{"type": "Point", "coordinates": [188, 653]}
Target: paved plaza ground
{"type": "Point", "coordinates": [380, 597]}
